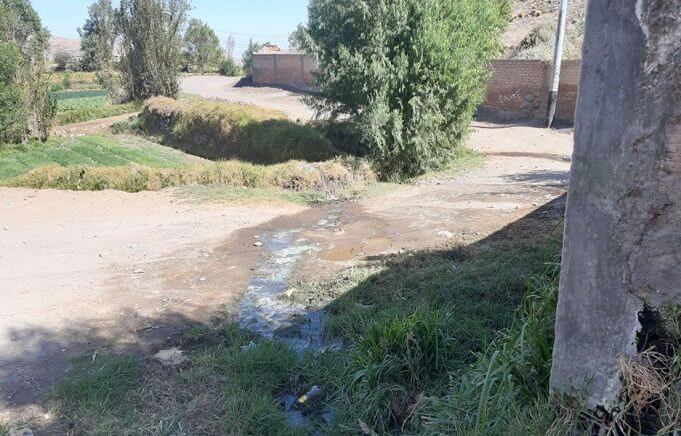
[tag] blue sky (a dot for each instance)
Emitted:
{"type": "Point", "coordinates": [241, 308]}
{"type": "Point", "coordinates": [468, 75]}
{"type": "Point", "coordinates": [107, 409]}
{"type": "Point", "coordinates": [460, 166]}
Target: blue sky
{"type": "Point", "coordinates": [262, 20]}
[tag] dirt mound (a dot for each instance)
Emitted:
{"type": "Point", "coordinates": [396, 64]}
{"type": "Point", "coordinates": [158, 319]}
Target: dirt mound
{"type": "Point", "coordinates": [531, 33]}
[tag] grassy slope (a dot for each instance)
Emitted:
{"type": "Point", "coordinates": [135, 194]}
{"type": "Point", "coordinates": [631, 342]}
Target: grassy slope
{"type": "Point", "coordinates": [411, 326]}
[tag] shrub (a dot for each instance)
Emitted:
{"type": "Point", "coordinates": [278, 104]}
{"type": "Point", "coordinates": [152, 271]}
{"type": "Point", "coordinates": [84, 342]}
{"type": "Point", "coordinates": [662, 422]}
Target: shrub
{"type": "Point", "coordinates": [409, 72]}
{"type": "Point", "coordinates": [13, 110]}
{"type": "Point", "coordinates": [229, 68]}
{"type": "Point", "coordinates": [247, 57]}
{"type": "Point", "coordinates": [226, 131]}
{"type": "Point", "coordinates": [62, 58]}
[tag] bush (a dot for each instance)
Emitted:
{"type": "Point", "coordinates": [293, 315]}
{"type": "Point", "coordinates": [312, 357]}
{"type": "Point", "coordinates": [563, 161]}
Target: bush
{"type": "Point", "coordinates": [409, 72]}
{"type": "Point", "coordinates": [233, 131]}
{"type": "Point", "coordinates": [63, 59]}
{"type": "Point", "coordinates": [13, 110]}
{"type": "Point", "coordinates": [247, 57]}
{"type": "Point", "coordinates": [229, 68]}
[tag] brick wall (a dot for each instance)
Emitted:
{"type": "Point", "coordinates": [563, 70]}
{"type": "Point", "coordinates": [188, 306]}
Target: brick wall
{"type": "Point", "coordinates": [283, 69]}
{"type": "Point", "coordinates": [567, 91]}
{"type": "Point", "coordinates": [518, 88]}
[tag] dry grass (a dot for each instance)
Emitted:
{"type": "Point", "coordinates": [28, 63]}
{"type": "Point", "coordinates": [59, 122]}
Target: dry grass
{"type": "Point", "coordinates": [646, 380]}
{"type": "Point", "coordinates": [651, 393]}
{"type": "Point", "coordinates": [326, 177]}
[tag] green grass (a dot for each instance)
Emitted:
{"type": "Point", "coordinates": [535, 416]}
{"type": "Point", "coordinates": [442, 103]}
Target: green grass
{"type": "Point", "coordinates": [96, 393]}
{"type": "Point", "coordinates": [224, 390]}
{"type": "Point", "coordinates": [132, 164]}
{"type": "Point", "coordinates": [87, 151]}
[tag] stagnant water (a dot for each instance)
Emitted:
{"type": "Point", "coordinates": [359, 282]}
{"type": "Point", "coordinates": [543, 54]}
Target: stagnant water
{"type": "Point", "coordinates": [268, 309]}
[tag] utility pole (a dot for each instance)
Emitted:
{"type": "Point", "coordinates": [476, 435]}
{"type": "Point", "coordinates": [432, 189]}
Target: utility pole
{"type": "Point", "coordinates": [557, 60]}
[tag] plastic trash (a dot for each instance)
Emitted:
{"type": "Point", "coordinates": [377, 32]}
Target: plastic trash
{"type": "Point", "coordinates": [312, 393]}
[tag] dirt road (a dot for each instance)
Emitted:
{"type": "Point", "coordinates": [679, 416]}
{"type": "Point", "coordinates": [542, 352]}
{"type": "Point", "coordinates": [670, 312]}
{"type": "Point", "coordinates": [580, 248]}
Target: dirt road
{"type": "Point", "coordinates": [224, 88]}
{"type": "Point", "coordinates": [80, 269]}
{"type": "Point", "coordinates": [90, 127]}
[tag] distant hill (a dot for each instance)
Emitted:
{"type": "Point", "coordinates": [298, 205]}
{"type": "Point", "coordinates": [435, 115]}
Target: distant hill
{"type": "Point", "coordinates": [531, 33]}
{"type": "Point", "coordinates": [68, 45]}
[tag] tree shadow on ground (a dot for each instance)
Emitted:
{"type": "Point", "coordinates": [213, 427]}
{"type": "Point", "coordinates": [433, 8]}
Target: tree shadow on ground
{"type": "Point", "coordinates": [545, 178]}
{"type": "Point", "coordinates": [485, 279]}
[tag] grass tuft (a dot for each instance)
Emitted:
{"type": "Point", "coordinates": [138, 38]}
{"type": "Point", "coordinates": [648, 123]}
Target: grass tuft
{"type": "Point", "coordinates": [96, 392]}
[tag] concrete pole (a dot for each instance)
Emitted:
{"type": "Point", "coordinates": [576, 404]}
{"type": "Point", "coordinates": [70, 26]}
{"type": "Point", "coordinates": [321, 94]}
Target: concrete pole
{"type": "Point", "coordinates": [557, 60]}
{"type": "Point", "coordinates": [622, 243]}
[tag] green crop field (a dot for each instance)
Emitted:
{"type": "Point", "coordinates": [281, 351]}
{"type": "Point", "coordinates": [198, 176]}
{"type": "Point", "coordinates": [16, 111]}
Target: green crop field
{"type": "Point", "coordinates": [78, 106]}
{"type": "Point", "coordinates": [99, 151]}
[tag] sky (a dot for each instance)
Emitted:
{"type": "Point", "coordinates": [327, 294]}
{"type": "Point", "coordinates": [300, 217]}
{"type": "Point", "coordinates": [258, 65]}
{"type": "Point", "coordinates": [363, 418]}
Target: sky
{"type": "Point", "coordinates": [262, 20]}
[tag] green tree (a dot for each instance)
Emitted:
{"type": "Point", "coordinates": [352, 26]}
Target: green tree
{"type": "Point", "coordinates": [63, 59]}
{"type": "Point", "coordinates": [21, 29]}
{"type": "Point", "coordinates": [229, 68]}
{"type": "Point", "coordinates": [151, 33]}
{"type": "Point", "coordinates": [247, 57]}
{"type": "Point", "coordinates": [410, 73]}
{"type": "Point", "coordinates": [13, 110]}
{"type": "Point", "coordinates": [97, 37]}
{"type": "Point", "coordinates": [201, 46]}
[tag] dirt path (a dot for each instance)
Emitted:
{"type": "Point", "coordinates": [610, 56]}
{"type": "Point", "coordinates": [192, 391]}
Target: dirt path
{"type": "Point", "coordinates": [221, 87]}
{"type": "Point", "coordinates": [90, 127]}
{"type": "Point", "coordinates": [83, 269]}
{"type": "Point", "coordinates": [86, 270]}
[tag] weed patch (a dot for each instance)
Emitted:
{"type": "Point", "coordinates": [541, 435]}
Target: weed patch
{"type": "Point", "coordinates": [456, 341]}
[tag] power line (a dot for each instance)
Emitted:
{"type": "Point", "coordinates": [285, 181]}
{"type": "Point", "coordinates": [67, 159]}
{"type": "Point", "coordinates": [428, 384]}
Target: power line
{"type": "Point", "coordinates": [254, 35]}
